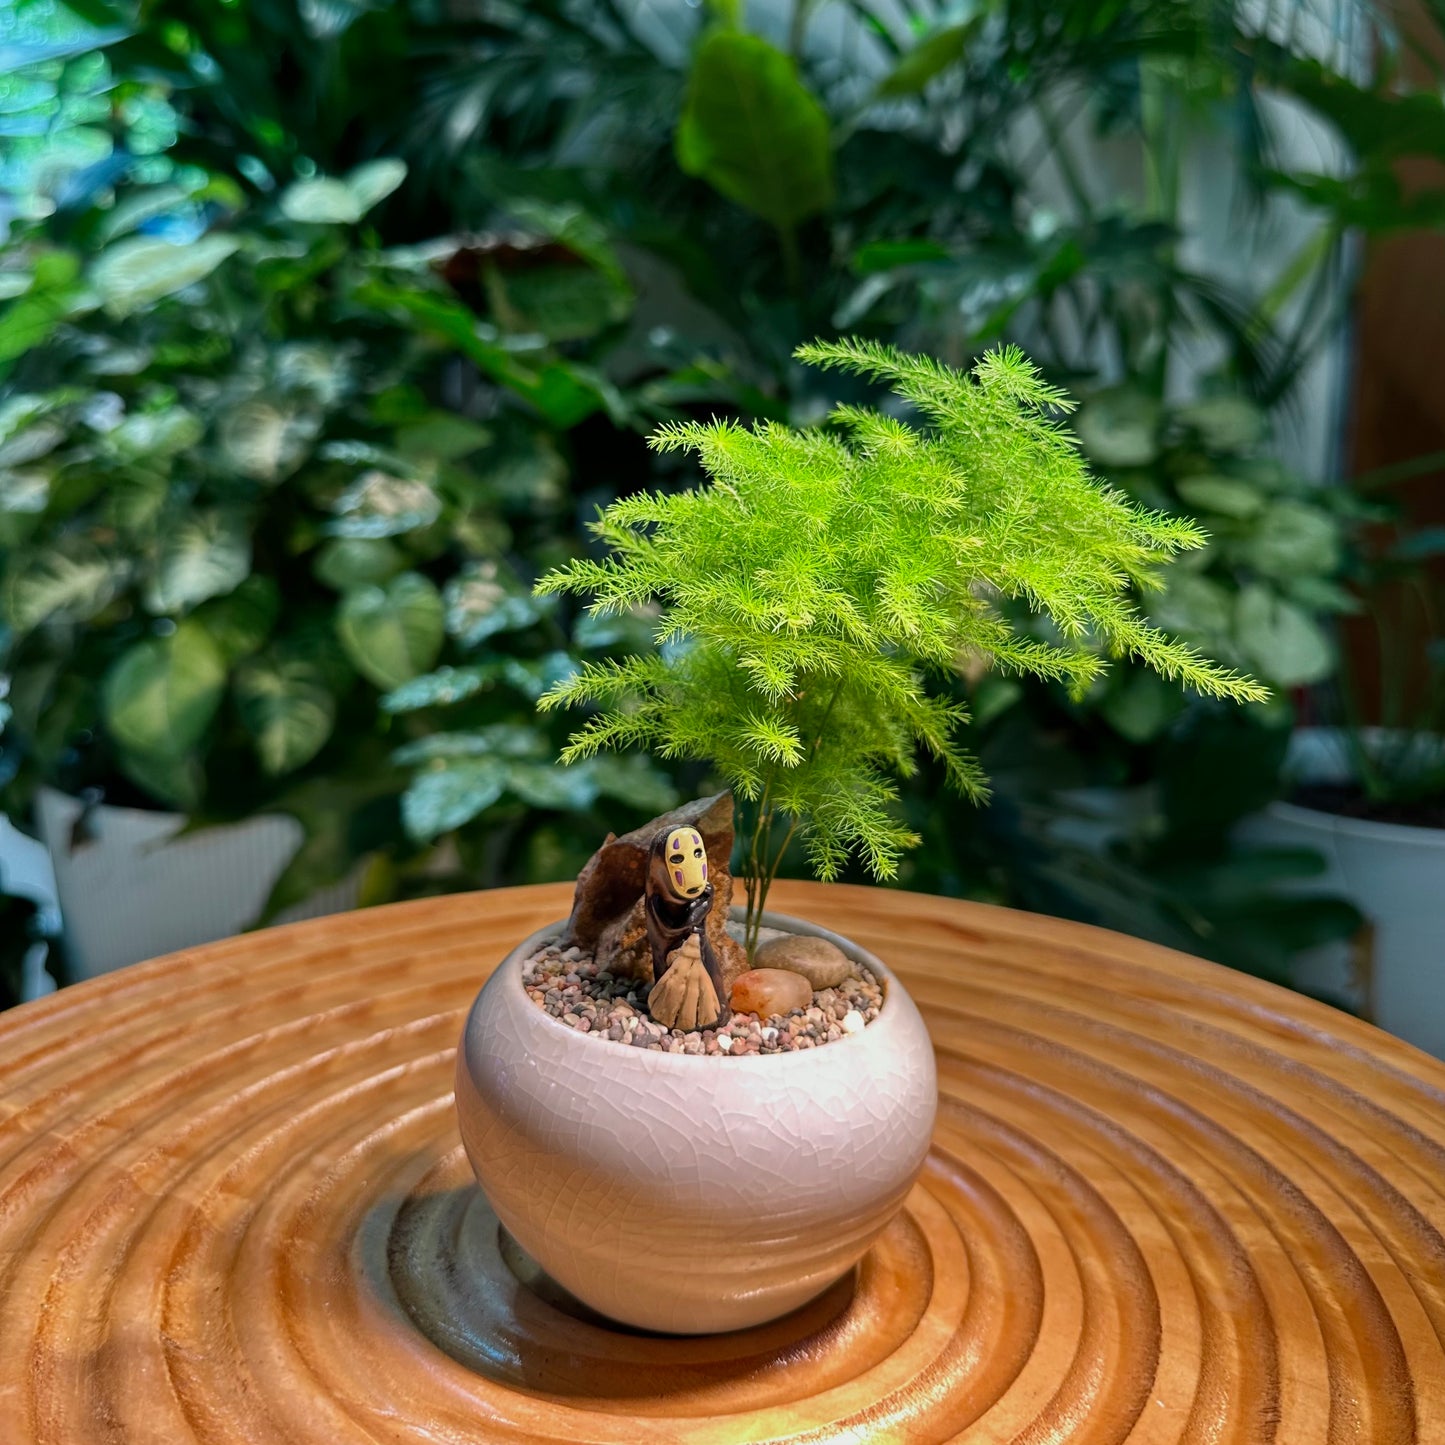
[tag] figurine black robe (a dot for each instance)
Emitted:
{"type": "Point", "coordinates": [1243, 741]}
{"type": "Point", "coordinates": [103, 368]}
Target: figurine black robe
{"type": "Point", "coordinates": [675, 912]}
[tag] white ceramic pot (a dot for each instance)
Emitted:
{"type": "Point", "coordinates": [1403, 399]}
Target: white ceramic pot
{"type": "Point", "coordinates": [132, 885]}
{"type": "Point", "coordinates": [1395, 876]}
{"type": "Point", "coordinates": [692, 1194]}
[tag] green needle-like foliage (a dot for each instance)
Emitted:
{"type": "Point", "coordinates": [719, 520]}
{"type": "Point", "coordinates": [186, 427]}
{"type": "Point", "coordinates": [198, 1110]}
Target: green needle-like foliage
{"type": "Point", "coordinates": [809, 590]}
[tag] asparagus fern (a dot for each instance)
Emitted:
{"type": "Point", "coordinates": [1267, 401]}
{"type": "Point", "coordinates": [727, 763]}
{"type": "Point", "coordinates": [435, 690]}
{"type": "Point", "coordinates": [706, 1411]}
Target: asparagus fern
{"type": "Point", "coordinates": [813, 586]}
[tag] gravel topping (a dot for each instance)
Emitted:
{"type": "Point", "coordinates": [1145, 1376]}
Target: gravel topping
{"type": "Point", "coordinates": [569, 986]}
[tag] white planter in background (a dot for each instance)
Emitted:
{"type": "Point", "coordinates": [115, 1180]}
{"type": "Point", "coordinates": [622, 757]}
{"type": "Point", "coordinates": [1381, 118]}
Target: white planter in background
{"type": "Point", "coordinates": [130, 889]}
{"type": "Point", "coordinates": [1395, 876]}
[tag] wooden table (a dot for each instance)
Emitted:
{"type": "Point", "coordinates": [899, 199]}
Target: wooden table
{"type": "Point", "coordinates": [1166, 1203]}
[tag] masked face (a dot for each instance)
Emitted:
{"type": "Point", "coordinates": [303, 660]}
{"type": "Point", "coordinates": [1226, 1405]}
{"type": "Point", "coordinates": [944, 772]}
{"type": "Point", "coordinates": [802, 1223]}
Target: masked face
{"type": "Point", "coordinates": [686, 861]}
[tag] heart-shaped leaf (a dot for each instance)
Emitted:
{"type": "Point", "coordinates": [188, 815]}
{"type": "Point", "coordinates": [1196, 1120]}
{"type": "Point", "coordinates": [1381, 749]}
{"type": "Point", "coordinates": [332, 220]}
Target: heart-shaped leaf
{"type": "Point", "coordinates": [240, 622]}
{"type": "Point", "coordinates": [486, 599]}
{"type": "Point", "coordinates": [374, 181]}
{"type": "Point", "coordinates": [1229, 496]}
{"type": "Point", "coordinates": [446, 797]}
{"type": "Point", "coordinates": [76, 582]}
{"type": "Point", "coordinates": [393, 633]}
{"type": "Point", "coordinates": [438, 689]}
{"type": "Point", "coordinates": [322, 200]}
{"type": "Point", "coordinates": [287, 708]}
{"type": "Point", "coordinates": [754, 131]}
{"type": "Point", "coordinates": [201, 556]}
{"type": "Point", "coordinates": [134, 272]}
{"type": "Point", "coordinates": [347, 562]}
{"type": "Point", "coordinates": [160, 696]}
{"type": "Point", "coordinates": [1120, 428]}
{"type": "Point", "coordinates": [1279, 641]}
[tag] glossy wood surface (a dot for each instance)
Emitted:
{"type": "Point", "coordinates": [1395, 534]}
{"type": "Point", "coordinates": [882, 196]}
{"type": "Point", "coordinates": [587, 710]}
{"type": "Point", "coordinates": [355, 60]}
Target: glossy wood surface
{"type": "Point", "coordinates": [1166, 1203]}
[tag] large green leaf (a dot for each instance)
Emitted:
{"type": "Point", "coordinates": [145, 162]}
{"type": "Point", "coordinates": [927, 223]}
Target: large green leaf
{"type": "Point", "coordinates": [440, 688]}
{"type": "Point", "coordinates": [929, 58]}
{"type": "Point", "coordinates": [149, 436]}
{"type": "Point", "coordinates": [1292, 539]}
{"type": "Point", "coordinates": [1279, 641]}
{"type": "Point", "coordinates": [754, 131]}
{"type": "Point", "coordinates": [378, 504]}
{"type": "Point", "coordinates": [203, 555]}
{"type": "Point", "coordinates": [392, 633]}
{"type": "Point", "coordinates": [138, 270]}
{"type": "Point", "coordinates": [75, 582]}
{"type": "Point", "coordinates": [240, 622]}
{"type": "Point", "coordinates": [1120, 428]}
{"type": "Point", "coordinates": [486, 599]}
{"type": "Point", "coordinates": [324, 200]}
{"type": "Point", "coordinates": [161, 695]}
{"type": "Point", "coordinates": [264, 442]}
{"type": "Point", "coordinates": [549, 785]}
{"type": "Point", "coordinates": [347, 562]}
{"type": "Point", "coordinates": [30, 318]}
{"type": "Point", "coordinates": [1141, 705]}
{"type": "Point", "coordinates": [177, 781]}
{"type": "Point", "coordinates": [1229, 496]}
{"type": "Point", "coordinates": [373, 181]}
{"type": "Point", "coordinates": [287, 708]}
{"type": "Point", "coordinates": [445, 797]}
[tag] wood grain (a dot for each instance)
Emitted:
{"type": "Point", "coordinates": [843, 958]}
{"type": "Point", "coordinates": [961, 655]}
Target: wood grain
{"type": "Point", "coordinates": [1166, 1203]}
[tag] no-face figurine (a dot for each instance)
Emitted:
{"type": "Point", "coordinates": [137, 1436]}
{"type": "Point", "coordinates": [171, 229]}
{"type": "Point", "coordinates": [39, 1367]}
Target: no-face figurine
{"type": "Point", "coordinates": [678, 901]}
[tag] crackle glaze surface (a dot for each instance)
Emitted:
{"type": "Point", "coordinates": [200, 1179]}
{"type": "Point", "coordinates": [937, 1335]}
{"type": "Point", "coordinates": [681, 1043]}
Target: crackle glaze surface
{"type": "Point", "coordinates": [692, 1195]}
{"type": "Point", "coordinates": [1165, 1205]}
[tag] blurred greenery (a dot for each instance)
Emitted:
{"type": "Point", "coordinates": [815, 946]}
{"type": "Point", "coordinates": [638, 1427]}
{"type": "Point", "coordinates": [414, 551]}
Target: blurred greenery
{"type": "Point", "coordinates": [341, 318]}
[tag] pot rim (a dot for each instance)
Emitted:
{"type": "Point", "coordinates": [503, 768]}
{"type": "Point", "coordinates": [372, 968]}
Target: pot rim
{"type": "Point", "coordinates": [891, 1013]}
{"type": "Point", "coordinates": [1401, 834]}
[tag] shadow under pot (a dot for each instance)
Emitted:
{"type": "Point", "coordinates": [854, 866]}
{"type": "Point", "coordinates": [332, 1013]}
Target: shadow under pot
{"type": "Point", "coordinates": [692, 1194]}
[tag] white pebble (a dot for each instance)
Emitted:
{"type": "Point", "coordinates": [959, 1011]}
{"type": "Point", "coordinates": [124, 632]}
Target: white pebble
{"type": "Point", "coordinates": [770, 1035]}
{"type": "Point", "coordinates": [725, 1042]}
{"type": "Point", "coordinates": [853, 1022]}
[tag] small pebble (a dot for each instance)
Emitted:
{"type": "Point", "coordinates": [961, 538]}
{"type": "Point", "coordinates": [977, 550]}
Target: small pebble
{"type": "Point", "coordinates": [572, 989]}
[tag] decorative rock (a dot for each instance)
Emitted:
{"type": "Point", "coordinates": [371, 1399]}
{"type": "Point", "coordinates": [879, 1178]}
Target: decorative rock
{"type": "Point", "coordinates": [853, 1022]}
{"type": "Point", "coordinates": [770, 991]}
{"type": "Point", "coordinates": [610, 886]}
{"type": "Point", "coordinates": [823, 964]}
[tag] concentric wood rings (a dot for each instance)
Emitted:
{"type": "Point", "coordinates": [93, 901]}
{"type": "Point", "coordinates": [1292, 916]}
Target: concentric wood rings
{"type": "Point", "coordinates": [1166, 1203]}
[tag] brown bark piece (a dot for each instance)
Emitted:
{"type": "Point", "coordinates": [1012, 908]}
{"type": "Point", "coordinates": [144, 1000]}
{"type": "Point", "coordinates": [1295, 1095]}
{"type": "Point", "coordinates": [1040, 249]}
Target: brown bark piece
{"type": "Point", "coordinates": [607, 914]}
{"type": "Point", "coordinates": [684, 997]}
{"type": "Point", "coordinates": [622, 948]}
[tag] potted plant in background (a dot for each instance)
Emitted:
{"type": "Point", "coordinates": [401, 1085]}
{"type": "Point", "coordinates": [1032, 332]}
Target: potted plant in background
{"type": "Point", "coordinates": [944, 183]}
{"type": "Point", "coordinates": [1370, 797]}
{"type": "Point", "coordinates": [804, 593]}
{"type": "Point", "coordinates": [242, 502]}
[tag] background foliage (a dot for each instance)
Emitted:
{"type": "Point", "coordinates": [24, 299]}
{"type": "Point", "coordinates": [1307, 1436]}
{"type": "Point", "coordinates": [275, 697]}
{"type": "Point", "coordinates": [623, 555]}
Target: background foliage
{"type": "Point", "coordinates": [644, 210]}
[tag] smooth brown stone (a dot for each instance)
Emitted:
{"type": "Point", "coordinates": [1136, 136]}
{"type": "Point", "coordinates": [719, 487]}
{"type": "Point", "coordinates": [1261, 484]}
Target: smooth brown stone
{"type": "Point", "coordinates": [1166, 1203]}
{"type": "Point", "coordinates": [769, 991]}
{"type": "Point", "coordinates": [823, 964]}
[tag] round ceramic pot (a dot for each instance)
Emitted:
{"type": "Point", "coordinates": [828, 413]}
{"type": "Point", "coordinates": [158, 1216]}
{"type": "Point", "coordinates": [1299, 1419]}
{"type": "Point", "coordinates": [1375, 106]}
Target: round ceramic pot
{"type": "Point", "coordinates": [692, 1194]}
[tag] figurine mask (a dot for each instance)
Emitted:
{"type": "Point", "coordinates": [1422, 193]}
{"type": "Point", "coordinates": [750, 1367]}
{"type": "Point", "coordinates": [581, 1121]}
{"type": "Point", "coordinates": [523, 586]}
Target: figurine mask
{"type": "Point", "coordinates": [686, 861]}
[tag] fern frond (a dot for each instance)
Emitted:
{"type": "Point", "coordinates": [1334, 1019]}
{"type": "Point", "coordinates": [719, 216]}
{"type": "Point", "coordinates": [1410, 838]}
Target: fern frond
{"type": "Point", "coordinates": [816, 577]}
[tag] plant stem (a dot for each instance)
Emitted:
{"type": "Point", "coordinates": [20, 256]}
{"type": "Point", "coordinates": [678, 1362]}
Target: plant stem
{"type": "Point", "coordinates": [798, 28]}
{"type": "Point", "coordinates": [1162, 135]}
